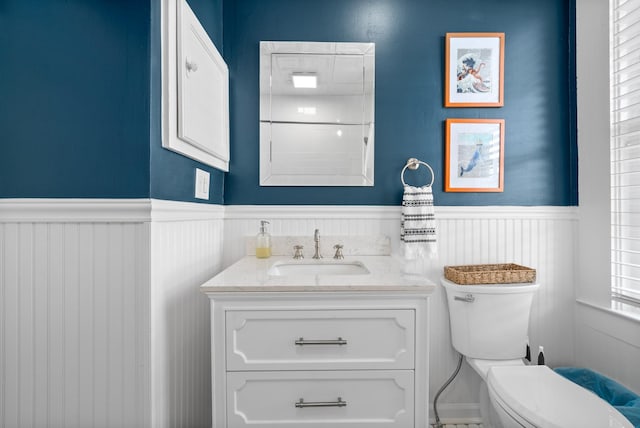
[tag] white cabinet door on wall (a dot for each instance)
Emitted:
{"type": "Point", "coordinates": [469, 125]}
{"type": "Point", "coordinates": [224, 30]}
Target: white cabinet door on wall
{"type": "Point", "coordinates": [195, 89]}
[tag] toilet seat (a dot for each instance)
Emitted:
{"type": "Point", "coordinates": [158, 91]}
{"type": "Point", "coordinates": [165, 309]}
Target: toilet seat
{"type": "Point", "coordinates": [537, 396]}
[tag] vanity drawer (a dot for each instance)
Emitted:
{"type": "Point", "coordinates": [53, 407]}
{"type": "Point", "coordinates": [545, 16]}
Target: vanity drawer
{"type": "Point", "coordinates": [320, 340]}
{"type": "Point", "coordinates": [378, 399]}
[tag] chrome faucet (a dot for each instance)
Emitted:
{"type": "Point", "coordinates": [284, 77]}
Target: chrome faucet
{"type": "Point", "coordinates": [316, 239]}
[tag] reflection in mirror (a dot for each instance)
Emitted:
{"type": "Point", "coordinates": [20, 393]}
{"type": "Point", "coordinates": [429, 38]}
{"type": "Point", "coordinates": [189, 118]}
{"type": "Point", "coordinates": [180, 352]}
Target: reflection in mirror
{"type": "Point", "coordinates": [316, 114]}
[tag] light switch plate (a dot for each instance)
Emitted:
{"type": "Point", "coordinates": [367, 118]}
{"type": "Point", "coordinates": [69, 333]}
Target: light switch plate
{"type": "Point", "coordinates": [202, 184]}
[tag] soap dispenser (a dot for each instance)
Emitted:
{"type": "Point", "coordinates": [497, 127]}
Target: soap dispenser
{"type": "Point", "coordinates": [263, 241]}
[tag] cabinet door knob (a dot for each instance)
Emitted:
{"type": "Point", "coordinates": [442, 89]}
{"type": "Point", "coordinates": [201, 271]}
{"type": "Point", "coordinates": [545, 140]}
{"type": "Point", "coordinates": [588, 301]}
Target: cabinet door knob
{"type": "Point", "coordinates": [191, 66]}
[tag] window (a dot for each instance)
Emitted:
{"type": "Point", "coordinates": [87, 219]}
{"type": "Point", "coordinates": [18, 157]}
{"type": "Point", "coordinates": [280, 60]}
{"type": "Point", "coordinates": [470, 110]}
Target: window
{"type": "Point", "coordinates": [625, 152]}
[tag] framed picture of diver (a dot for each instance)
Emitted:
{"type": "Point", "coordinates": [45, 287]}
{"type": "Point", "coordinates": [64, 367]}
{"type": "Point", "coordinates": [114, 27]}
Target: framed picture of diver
{"type": "Point", "coordinates": [474, 155]}
{"type": "Point", "coordinates": [474, 70]}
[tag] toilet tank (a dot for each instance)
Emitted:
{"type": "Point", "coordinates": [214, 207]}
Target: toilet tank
{"type": "Point", "coordinates": [490, 321]}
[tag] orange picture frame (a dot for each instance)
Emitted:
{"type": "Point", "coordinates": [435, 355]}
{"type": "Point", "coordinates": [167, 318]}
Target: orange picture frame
{"type": "Point", "coordinates": [474, 155]}
{"type": "Point", "coordinates": [474, 70]}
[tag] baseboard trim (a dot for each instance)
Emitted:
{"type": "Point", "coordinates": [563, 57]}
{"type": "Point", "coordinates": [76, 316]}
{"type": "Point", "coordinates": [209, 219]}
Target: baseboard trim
{"type": "Point", "coordinates": [456, 413]}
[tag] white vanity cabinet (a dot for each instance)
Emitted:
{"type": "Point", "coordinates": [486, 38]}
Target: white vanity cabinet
{"type": "Point", "coordinates": [319, 359]}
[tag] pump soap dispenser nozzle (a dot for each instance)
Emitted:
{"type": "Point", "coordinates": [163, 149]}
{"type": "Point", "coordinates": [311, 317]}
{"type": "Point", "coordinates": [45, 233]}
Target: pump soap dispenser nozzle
{"type": "Point", "coordinates": [541, 356]}
{"type": "Point", "coordinates": [263, 241]}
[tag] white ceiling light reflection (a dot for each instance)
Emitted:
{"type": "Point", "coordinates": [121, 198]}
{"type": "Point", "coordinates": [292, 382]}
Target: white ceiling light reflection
{"type": "Point", "coordinates": [304, 80]}
{"type": "Point", "coordinates": [307, 110]}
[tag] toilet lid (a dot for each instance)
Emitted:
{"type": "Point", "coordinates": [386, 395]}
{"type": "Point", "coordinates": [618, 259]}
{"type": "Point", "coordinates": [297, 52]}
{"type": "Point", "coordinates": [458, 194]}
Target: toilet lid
{"type": "Point", "coordinates": [545, 399]}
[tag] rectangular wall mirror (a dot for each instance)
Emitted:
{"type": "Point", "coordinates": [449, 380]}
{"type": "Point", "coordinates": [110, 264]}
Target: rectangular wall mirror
{"type": "Point", "coordinates": [317, 114]}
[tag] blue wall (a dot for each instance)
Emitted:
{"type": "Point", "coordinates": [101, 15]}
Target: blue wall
{"type": "Point", "coordinates": [74, 106]}
{"type": "Point", "coordinates": [80, 107]}
{"type": "Point", "coordinates": [540, 148]}
{"type": "Point", "coordinates": [80, 87]}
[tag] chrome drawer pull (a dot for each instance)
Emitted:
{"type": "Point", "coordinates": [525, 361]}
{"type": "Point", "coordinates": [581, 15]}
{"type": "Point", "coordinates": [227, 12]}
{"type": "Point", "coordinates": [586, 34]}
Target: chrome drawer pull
{"type": "Point", "coordinates": [301, 404]}
{"type": "Point", "coordinates": [338, 341]}
{"type": "Point", "coordinates": [468, 298]}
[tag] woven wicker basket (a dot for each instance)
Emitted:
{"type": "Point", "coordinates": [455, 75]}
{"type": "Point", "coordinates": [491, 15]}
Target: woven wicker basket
{"type": "Point", "coordinates": [507, 273]}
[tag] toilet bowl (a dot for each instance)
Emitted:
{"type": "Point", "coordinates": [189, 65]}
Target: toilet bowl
{"type": "Point", "coordinates": [536, 396]}
{"type": "Point", "coordinates": [489, 327]}
{"type": "Point", "coordinates": [489, 415]}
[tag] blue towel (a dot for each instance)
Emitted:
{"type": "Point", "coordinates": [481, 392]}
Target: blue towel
{"type": "Point", "coordinates": [624, 400]}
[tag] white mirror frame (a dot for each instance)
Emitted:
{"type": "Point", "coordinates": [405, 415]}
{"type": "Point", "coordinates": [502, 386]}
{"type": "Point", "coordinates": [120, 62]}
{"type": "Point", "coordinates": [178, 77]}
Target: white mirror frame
{"type": "Point", "coordinates": [308, 169]}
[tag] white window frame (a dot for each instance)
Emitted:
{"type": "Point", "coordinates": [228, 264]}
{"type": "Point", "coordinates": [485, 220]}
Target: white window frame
{"type": "Point", "coordinates": [593, 264]}
{"type": "Point", "coordinates": [624, 37]}
{"type": "Point", "coordinates": [601, 330]}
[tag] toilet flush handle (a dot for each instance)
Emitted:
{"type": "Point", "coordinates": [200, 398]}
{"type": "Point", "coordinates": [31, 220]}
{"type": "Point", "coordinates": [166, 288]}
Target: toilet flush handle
{"type": "Point", "coordinates": [468, 298]}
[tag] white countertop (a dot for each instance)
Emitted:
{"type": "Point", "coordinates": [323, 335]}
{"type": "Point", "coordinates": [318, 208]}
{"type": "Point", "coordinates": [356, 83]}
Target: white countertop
{"type": "Point", "coordinates": [250, 274]}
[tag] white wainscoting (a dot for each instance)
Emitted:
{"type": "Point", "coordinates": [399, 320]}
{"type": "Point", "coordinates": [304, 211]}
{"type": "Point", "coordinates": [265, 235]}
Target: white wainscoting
{"type": "Point", "coordinates": [74, 313]}
{"type": "Point", "coordinates": [186, 250]}
{"type": "Point", "coordinates": [102, 323]}
{"type": "Point", "coordinates": [608, 342]}
{"type": "Point", "coordinates": [101, 320]}
{"type": "Point", "coordinates": [540, 237]}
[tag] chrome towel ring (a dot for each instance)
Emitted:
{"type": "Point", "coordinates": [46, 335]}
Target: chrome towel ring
{"type": "Point", "coordinates": [414, 164]}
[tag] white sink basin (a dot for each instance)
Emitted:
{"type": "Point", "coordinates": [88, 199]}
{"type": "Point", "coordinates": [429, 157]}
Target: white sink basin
{"type": "Point", "coordinates": [318, 268]}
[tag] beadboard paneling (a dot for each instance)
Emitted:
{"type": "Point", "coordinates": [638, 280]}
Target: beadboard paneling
{"type": "Point", "coordinates": [608, 342]}
{"type": "Point", "coordinates": [540, 237]}
{"type": "Point", "coordinates": [184, 255]}
{"type": "Point", "coordinates": [101, 319]}
{"type": "Point", "coordinates": [102, 323]}
{"type": "Point", "coordinates": [74, 302]}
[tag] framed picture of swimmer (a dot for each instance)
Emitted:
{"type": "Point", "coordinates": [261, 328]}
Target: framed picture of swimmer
{"type": "Point", "coordinates": [474, 70]}
{"type": "Point", "coordinates": [474, 155]}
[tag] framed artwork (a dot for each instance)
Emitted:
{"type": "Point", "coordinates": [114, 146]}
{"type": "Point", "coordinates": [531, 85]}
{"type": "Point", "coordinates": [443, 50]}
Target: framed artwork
{"type": "Point", "coordinates": [474, 158]}
{"type": "Point", "coordinates": [474, 70]}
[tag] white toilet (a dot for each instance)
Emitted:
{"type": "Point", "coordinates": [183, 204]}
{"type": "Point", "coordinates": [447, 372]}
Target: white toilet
{"type": "Point", "coordinates": [489, 325]}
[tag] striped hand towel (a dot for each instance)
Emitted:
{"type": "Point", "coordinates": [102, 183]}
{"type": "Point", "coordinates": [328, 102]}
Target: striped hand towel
{"type": "Point", "coordinates": [418, 225]}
